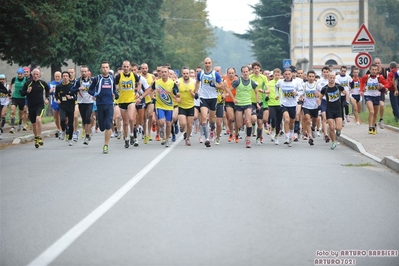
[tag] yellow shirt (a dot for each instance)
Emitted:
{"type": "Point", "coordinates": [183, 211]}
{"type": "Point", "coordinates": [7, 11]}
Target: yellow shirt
{"type": "Point", "coordinates": [163, 94]}
{"type": "Point", "coordinates": [150, 80]}
{"type": "Point", "coordinates": [126, 88]}
{"type": "Point", "coordinates": [262, 83]}
{"type": "Point", "coordinates": [186, 98]}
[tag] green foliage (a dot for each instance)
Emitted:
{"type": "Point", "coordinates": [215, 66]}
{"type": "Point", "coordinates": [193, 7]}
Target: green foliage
{"type": "Point", "coordinates": [230, 51]}
{"type": "Point", "coordinates": [33, 30]}
{"type": "Point", "coordinates": [270, 47]}
{"type": "Point", "coordinates": [383, 24]}
{"type": "Point", "coordinates": [132, 30]}
{"type": "Point", "coordinates": [187, 32]}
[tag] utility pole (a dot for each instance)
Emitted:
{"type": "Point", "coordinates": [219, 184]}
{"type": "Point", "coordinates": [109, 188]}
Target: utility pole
{"type": "Point", "coordinates": [362, 72]}
{"type": "Point", "coordinates": [311, 36]}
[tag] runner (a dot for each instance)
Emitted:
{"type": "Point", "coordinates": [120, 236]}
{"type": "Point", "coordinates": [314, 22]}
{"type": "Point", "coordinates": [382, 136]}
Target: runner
{"type": "Point", "coordinates": [323, 81]}
{"type": "Point", "coordinates": [16, 85]}
{"type": "Point", "coordinates": [103, 88]}
{"type": "Point", "coordinates": [4, 101]}
{"type": "Point", "coordinates": [310, 106]}
{"type": "Point", "coordinates": [243, 101]}
{"type": "Point", "coordinates": [54, 105]}
{"type": "Point", "coordinates": [334, 107]}
{"type": "Point", "coordinates": [344, 80]}
{"type": "Point", "coordinates": [186, 87]}
{"type": "Point", "coordinates": [275, 107]}
{"type": "Point", "coordinates": [356, 99]}
{"type": "Point", "coordinates": [37, 94]}
{"type": "Point", "coordinates": [230, 105]}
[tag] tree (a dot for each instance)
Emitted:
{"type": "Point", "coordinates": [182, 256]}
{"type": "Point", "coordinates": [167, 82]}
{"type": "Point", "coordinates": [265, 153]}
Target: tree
{"type": "Point", "coordinates": [133, 31]}
{"type": "Point", "coordinates": [31, 30]}
{"type": "Point", "coordinates": [188, 33]}
{"type": "Point", "coordinates": [270, 48]}
{"type": "Point", "coordinates": [383, 24]}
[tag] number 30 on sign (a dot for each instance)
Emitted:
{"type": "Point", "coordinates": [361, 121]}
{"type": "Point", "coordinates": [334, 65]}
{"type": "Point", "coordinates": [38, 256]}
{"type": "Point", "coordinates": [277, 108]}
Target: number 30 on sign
{"type": "Point", "coordinates": [363, 60]}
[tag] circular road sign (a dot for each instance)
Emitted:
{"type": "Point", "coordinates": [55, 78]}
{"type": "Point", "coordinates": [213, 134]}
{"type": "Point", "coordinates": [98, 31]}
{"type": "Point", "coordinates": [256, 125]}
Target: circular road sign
{"type": "Point", "coordinates": [363, 60]}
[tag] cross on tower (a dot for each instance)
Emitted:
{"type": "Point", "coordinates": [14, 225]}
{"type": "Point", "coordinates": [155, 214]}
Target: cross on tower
{"type": "Point", "coordinates": [330, 20]}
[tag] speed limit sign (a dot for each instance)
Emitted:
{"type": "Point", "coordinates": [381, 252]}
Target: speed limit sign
{"type": "Point", "coordinates": [363, 60]}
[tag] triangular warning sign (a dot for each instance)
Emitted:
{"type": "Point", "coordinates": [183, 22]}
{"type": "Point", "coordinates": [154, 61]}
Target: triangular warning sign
{"type": "Point", "coordinates": [363, 36]}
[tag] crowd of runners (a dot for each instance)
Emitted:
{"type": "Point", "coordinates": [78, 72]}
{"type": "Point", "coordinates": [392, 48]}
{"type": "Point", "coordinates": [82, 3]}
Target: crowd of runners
{"type": "Point", "coordinates": [142, 106]}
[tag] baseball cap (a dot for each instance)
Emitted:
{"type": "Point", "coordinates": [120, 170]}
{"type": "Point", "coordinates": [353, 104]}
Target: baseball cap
{"type": "Point", "coordinates": [2, 76]}
{"type": "Point", "coordinates": [293, 68]}
{"type": "Point", "coordinates": [271, 73]}
{"type": "Point", "coordinates": [27, 69]}
{"type": "Point", "coordinates": [20, 70]}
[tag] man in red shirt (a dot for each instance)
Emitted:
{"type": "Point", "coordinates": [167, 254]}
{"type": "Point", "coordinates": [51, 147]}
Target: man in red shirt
{"type": "Point", "coordinates": [393, 90]}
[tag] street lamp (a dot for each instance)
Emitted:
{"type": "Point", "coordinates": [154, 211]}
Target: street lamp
{"type": "Point", "coordinates": [289, 37]}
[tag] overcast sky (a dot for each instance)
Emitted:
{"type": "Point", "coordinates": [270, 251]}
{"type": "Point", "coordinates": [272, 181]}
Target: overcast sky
{"type": "Point", "coordinates": [231, 15]}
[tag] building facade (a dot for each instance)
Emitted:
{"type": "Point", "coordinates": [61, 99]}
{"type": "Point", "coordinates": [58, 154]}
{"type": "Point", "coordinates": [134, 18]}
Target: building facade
{"type": "Point", "coordinates": [335, 24]}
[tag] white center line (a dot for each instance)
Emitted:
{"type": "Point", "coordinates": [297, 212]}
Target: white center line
{"type": "Point", "coordinates": [59, 246]}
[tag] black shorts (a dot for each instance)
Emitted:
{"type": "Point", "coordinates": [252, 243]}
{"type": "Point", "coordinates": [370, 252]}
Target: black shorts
{"type": "Point", "coordinates": [219, 110]}
{"type": "Point", "coordinates": [85, 110]}
{"type": "Point", "coordinates": [124, 106]}
{"type": "Point", "coordinates": [20, 102]}
{"type": "Point", "coordinates": [323, 105]}
{"type": "Point", "coordinates": [357, 97]}
{"type": "Point", "coordinates": [186, 112]}
{"type": "Point", "coordinates": [332, 113]}
{"type": "Point", "coordinates": [290, 109]}
{"type": "Point", "coordinates": [229, 104]}
{"type": "Point", "coordinates": [314, 113]}
{"type": "Point", "coordinates": [254, 109]}
{"type": "Point", "coordinates": [243, 108]}
{"type": "Point", "coordinates": [35, 112]}
{"type": "Point", "coordinates": [259, 113]}
{"type": "Point", "coordinates": [209, 103]}
{"type": "Point", "coordinates": [382, 96]}
{"type": "Point", "coordinates": [374, 99]}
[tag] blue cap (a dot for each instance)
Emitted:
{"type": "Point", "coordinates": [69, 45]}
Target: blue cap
{"type": "Point", "coordinates": [2, 76]}
{"type": "Point", "coordinates": [20, 70]}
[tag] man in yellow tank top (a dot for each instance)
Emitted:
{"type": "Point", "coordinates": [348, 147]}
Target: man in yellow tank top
{"type": "Point", "coordinates": [165, 91]}
{"type": "Point", "coordinates": [128, 95]}
{"type": "Point", "coordinates": [186, 87]}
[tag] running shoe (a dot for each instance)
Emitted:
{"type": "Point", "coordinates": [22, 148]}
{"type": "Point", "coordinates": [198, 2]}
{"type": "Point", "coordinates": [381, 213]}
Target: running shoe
{"type": "Point", "coordinates": [19, 127]}
{"type": "Point", "coordinates": [66, 137]}
{"type": "Point", "coordinates": [305, 136]}
{"type": "Point", "coordinates": [173, 138]}
{"type": "Point", "coordinates": [311, 142]}
{"type": "Point", "coordinates": [83, 134]}
{"type": "Point", "coordinates": [145, 139]}
{"type": "Point", "coordinates": [258, 143]}
{"type": "Point", "coordinates": [118, 135]}
{"type": "Point", "coordinates": [40, 141]}
{"type": "Point", "coordinates": [70, 142]}
{"type": "Point", "coordinates": [370, 130]}
{"type": "Point", "coordinates": [347, 118]}
{"type": "Point", "coordinates": [374, 130]}
{"type": "Point", "coordinates": [248, 143]}
{"type": "Point", "coordinates": [287, 140]}
{"type": "Point", "coordinates": [57, 133]}
{"type": "Point", "coordinates": [131, 140]}
{"type": "Point", "coordinates": [200, 139]}
{"type": "Point", "coordinates": [24, 128]}
{"type": "Point", "coordinates": [343, 122]}
{"type": "Point", "coordinates": [176, 129]}
{"type": "Point", "coordinates": [217, 141]}
{"type": "Point", "coordinates": [237, 138]}
{"type": "Point", "coordinates": [154, 127]}
{"type": "Point", "coordinates": [157, 138]}
{"type": "Point", "coordinates": [75, 136]}
{"type": "Point", "coordinates": [333, 146]}
{"type": "Point", "coordinates": [12, 130]}
{"type": "Point", "coordinates": [188, 143]}
{"type": "Point", "coordinates": [105, 149]}
{"type": "Point", "coordinates": [318, 133]}
{"type": "Point", "coordinates": [381, 124]}
{"type": "Point", "coordinates": [295, 137]}
{"type": "Point", "coordinates": [211, 135]}
{"type": "Point", "coordinates": [37, 145]}
{"type": "Point", "coordinates": [326, 138]}
{"type": "Point", "coordinates": [272, 136]}
{"type": "Point", "coordinates": [86, 141]}
{"type": "Point", "coordinates": [276, 142]}
{"type": "Point", "coordinates": [184, 135]}
{"type": "Point", "coordinates": [167, 144]}
{"type": "Point", "coordinates": [207, 143]}
{"type": "Point", "coordinates": [338, 133]}
{"type": "Point", "coordinates": [230, 138]}
{"type": "Point", "coordinates": [135, 143]}
{"type": "Point", "coordinates": [290, 142]}
{"type": "Point", "coordinates": [314, 134]}
{"type": "Point", "coordinates": [357, 123]}
{"type": "Point", "coordinates": [163, 141]}
{"type": "Point", "coordinates": [112, 134]}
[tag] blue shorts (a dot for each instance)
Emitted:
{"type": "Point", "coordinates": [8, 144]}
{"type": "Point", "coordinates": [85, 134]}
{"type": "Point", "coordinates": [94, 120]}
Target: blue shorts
{"type": "Point", "coordinates": [55, 107]}
{"type": "Point", "coordinates": [374, 99]}
{"type": "Point", "coordinates": [164, 114]}
{"type": "Point", "coordinates": [105, 113]}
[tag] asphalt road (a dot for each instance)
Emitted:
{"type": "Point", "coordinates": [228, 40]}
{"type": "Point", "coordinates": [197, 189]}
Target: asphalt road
{"type": "Point", "coordinates": [224, 205]}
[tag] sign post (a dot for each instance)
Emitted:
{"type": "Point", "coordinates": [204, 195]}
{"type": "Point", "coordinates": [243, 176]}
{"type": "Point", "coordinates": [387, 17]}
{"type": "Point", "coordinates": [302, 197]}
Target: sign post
{"type": "Point", "coordinates": [363, 41]}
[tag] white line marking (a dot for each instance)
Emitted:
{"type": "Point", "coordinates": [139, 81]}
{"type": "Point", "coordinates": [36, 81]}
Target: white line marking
{"type": "Point", "coordinates": [59, 246]}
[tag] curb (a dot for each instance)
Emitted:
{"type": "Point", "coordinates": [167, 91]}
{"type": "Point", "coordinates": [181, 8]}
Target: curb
{"type": "Point", "coordinates": [30, 137]}
{"type": "Point", "coordinates": [388, 161]}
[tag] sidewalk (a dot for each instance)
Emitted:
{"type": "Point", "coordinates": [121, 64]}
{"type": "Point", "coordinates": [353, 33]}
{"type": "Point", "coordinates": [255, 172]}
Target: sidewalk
{"type": "Point", "coordinates": [383, 147]}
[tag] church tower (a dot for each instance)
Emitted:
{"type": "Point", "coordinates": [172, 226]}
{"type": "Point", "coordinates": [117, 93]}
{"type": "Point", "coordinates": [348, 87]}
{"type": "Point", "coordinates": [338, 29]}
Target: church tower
{"type": "Point", "coordinates": [335, 24]}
